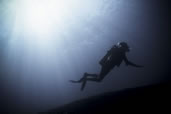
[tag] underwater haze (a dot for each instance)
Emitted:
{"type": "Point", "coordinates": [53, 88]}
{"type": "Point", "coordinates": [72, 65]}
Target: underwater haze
{"type": "Point", "coordinates": [46, 43]}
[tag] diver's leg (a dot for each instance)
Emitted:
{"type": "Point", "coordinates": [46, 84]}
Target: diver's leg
{"type": "Point", "coordinates": [80, 80]}
{"type": "Point", "coordinates": [104, 71]}
{"type": "Point", "coordinates": [96, 79]}
{"type": "Point", "coordinates": [84, 76]}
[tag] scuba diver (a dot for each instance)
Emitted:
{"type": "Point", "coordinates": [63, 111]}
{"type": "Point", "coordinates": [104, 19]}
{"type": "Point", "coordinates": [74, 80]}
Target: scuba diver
{"type": "Point", "coordinates": [114, 57]}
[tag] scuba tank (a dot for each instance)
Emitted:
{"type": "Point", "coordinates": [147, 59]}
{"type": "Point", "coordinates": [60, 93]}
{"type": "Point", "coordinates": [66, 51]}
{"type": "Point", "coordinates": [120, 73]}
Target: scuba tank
{"type": "Point", "coordinates": [105, 59]}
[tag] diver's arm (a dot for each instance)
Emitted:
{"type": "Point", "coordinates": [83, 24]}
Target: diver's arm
{"type": "Point", "coordinates": [130, 63]}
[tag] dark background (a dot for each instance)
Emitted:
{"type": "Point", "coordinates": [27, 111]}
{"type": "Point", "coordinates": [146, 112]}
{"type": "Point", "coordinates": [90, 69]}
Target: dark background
{"type": "Point", "coordinates": [34, 80]}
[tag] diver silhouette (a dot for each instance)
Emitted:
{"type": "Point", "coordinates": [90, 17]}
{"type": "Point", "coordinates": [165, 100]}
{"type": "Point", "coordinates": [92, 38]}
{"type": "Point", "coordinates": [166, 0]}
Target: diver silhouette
{"type": "Point", "coordinates": [114, 57]}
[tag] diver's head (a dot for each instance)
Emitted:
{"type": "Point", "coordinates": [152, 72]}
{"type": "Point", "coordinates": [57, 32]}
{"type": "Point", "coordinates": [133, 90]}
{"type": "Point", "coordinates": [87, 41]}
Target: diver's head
{"type": "Point", "coordinates": [124, 46]}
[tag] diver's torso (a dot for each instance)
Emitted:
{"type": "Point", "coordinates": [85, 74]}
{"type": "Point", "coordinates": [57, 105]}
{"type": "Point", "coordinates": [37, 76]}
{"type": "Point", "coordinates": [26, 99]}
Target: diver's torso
{"type": "Point", "coordinates": [117, 56]}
